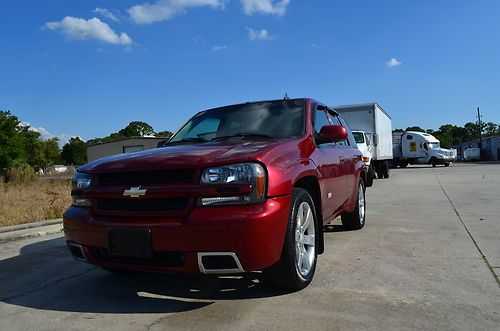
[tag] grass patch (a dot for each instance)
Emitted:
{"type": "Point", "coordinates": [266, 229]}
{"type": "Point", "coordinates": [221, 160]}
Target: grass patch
{"type": "Point", "coordinates": [33, 201]}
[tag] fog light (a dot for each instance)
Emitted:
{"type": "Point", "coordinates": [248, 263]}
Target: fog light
{"type": "Point", "coordinates": [217, 200]}
{"type": "Point", "coordinates": [81, 202]}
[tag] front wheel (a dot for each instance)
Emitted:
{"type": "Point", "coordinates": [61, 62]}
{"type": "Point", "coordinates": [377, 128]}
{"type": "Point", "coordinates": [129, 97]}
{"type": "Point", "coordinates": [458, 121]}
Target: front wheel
{"type": "Point", "coordinates": [295, 269]}
{"type": "Point", "coordinates": [447, 164]}
{"type": "Point", "coordinates": [433, 161]}
{"type": "Point", "coordinates": [356, 220]}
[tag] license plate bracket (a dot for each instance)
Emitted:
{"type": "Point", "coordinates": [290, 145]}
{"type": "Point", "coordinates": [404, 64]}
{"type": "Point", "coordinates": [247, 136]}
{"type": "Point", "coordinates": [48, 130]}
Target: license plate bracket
{"type": "Point", "coordinates": [129, 242]}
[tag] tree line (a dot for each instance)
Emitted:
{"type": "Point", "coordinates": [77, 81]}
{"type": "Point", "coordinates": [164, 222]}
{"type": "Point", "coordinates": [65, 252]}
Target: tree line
{"type": "Point", "coordinates": [21, 147]}
{"type": "Point", "coordinates": [451, 135]}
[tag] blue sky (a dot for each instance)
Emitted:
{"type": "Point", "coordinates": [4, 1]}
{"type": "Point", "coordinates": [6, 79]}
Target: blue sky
{"type": "Point", "coordinates": [87, 68]}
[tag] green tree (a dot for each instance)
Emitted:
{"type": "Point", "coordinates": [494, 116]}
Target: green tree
{"type": "Point", "coordinates": [137, 129]}
{"type": "Point", "coordinates": [74, 152]}
{"type": "Point", "coordinates": [11, 144]}
{"type": "Point", "coordinates": [52, 152]}
{"type": "Point", "coordinates": [415, 128]}
{"type": "Point", "coordinates": [163, 134]}
{"type": "Point", "coordinates": [491, 129]}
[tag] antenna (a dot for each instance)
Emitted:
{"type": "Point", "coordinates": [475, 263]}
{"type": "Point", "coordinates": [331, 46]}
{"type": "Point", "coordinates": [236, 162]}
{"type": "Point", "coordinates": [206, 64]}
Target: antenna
{"type": "Point", "coordinates": [286, 97]}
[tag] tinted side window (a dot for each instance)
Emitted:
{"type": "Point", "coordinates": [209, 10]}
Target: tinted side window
{"type": "Point", "coordinates": [409, 137]}
{"type": "Point", "coordinates": [320, 120]}
{"type": "Point", "coordinates": [350, 138]}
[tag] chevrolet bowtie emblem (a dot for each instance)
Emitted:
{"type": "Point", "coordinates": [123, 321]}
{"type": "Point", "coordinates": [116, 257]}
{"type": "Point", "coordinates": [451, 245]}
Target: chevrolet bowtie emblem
{"type": "Point", "coordinates": [134, 192]}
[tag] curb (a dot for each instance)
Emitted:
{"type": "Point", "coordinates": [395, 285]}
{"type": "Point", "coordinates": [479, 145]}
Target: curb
{"type": "Point", "coordinates": [29, 225]}
{"type": "Point", "coordinates": [30, 230]}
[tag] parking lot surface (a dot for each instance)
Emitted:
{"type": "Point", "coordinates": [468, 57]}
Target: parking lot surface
{"type": "Point", "coordinates": [428, 258]}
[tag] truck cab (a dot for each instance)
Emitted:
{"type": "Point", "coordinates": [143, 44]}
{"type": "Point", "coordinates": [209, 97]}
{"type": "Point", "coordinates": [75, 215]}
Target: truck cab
{"type": "Point", "coordinates": [365, 147]}
{"type": "Point", "coordinates": [414, 147]}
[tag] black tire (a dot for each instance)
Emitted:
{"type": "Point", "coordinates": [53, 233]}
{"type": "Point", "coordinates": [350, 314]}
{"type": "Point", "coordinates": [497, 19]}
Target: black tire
{"type": "Point", "coordinates": [356, 220]}
{"type": "Point", "coordinates": [385, 169]}
{"type": "Point", "coordinates": [433, 161]}
{"type": "Point", "coordinates": [379, 170]}
{"type": "Point", "coordinates": [447, 164]}
{"type": "Point", "coordinates": [285, 273]}
{"type": "Point", "coordinates": [403, 164]}
{"type": "Point", "coordinates": [369, 176]}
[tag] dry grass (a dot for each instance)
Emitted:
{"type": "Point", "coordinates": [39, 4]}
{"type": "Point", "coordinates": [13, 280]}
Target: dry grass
{"type": "Point", "coordinates": [35, 201]}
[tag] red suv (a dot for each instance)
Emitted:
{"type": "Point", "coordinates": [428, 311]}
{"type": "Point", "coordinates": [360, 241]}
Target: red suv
{"type": "Point", "coordinates": [238, 188]}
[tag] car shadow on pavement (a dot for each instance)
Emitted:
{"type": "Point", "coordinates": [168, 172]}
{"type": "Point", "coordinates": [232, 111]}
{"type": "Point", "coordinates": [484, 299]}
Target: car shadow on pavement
{"type": "Point", "coordinates": [335, 228]}
{"type": "Point", "coordinates": [45, 276]}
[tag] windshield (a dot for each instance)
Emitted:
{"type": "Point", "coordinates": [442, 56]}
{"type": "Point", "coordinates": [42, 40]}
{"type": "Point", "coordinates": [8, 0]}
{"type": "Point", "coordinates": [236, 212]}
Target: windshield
{"type": "Point", "coordinates": [359, 137]}
{"type": "Point", "coordinates": [433, 145]}
{"type": "Point", "coordinates": [276, 119]}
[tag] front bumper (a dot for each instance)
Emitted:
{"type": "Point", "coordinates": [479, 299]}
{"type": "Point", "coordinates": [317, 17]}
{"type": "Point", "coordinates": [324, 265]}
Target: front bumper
{"type": "Point", "coordinates": [254, 233]}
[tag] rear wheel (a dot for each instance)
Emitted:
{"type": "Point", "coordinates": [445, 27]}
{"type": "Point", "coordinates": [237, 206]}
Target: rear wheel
{"type": "Point", "coordinates": [295, 269]}
{"type": "Point", "coordinates": [370, 175]}
{"type": "Point", "coordinates": [447, 164]}
{"type": "Point", "coordinates": [379, 170]}
{"type": "Point", "coordinates": [356, 220]}
{"type": "Point", "coordinates": [403, 164]}
{"type": "Point", "coordinates": [385, 169]}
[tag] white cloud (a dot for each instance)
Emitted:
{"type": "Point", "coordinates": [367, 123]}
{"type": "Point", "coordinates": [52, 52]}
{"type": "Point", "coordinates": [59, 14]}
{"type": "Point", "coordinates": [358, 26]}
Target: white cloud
{"type": "Point", "coordinates": [163, 10]}
{"type": "Point", "coordinates": [106, 13]}
{"type": "Point", "coordinates": [259, 34]}
{"type": "Point", "coordinates": [392, 63]}
{"type": "Point", "coordinates": [273, 7]}
{"type": "Point", "coordinates": [219, 48]}
{"type": "Point", "coordinates": [94, 28]}
{"type": "Point", "coordinates": [46, 135]}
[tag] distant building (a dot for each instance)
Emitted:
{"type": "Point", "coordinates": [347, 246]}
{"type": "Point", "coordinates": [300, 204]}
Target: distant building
{"type": "Point", "coordinates": [490, 148]}
{"type": "Point", "coordinates": [126, 145]}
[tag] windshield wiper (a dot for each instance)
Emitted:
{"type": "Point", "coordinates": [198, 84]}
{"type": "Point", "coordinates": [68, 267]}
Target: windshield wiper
{"type": "Point", "coordinates": [244, 135]}
{"type": "Point", "coordinates": [189, 140]}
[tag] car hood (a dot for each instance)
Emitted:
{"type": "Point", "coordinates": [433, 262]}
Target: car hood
{"type": "Point", "coordinates": [182, 156]}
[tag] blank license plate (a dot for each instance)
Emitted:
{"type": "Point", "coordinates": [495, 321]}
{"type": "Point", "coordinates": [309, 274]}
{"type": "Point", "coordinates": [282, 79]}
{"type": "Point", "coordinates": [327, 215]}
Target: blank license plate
{"type": "Point", "coordinates": [129, 242]}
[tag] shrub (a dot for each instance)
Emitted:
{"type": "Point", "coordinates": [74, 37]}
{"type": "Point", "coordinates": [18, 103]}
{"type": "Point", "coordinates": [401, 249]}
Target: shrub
{"type": "Point", "coordinates": [20, 175]}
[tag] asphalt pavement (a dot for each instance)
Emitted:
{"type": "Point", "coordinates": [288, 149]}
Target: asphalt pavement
{"type": "Point", "coordinates": [428, 258]}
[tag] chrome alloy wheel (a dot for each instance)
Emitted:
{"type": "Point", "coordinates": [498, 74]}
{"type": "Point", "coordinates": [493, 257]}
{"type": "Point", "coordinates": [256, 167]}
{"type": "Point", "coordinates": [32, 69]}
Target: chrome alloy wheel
{"type": "Point", "coordinates": [305, 239]}
{"type": "Point", "coordinates": [361, 204]}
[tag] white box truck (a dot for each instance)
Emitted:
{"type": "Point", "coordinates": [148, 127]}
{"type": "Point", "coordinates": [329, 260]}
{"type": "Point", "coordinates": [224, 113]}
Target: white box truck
{"type": "Point", "coordinates": [372, 129]}
{"type": "Point", "coordinates": [412, 147]}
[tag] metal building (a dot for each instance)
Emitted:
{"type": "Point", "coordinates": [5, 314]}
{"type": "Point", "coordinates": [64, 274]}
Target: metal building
{"type": "Point", "coordinates": [490, 148]}
{"type": "Point", "coordinates": [126, 145]}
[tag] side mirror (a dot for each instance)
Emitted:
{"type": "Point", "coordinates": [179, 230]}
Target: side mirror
{"type": "Point", "coordinates": [332, 134]}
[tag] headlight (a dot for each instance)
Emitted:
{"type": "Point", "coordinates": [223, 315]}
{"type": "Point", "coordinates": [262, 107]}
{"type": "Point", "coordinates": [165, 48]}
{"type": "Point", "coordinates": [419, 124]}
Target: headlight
{"type": "Point", "coordinates": [80, 182]}
{"type": "Point", "coordinates": [236, 174]}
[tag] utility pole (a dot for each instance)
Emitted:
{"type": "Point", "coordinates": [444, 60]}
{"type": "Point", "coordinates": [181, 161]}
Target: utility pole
{"type": "Point", "coordinates": [480, 134]}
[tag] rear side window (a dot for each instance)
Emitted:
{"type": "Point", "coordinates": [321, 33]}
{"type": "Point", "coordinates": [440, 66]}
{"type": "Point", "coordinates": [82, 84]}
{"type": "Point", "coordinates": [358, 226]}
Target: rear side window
{"type": "Point", "coordinates": [320, 120]}
{"type": "Point", "coordinates": [350, 138]}
{"type": "Point", "coordinates": [409, 137]}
